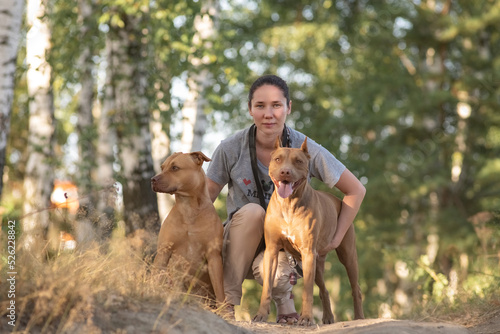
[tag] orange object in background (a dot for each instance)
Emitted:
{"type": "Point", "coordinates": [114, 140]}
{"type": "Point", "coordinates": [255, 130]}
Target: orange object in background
{"type": "Point", "coordinates": [65, 195]}
{"type": "Point", "coordinates": [66, 242]}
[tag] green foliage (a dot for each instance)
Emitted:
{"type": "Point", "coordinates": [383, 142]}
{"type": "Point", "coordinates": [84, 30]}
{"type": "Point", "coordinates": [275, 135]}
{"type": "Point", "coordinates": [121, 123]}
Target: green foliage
{"type": "Point", "coordinates": [378, 83]}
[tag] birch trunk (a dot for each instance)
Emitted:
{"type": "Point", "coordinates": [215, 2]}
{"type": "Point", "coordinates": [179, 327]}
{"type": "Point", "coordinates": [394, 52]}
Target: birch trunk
{"type": "Point", "coordinates": [160, 150]}
{"type": "Point", "coordinates": [133, 134]}
{"type": "Point", "coordinates": [38, 180]}
{"type": "Point", "coordinates": [87, 132]}
{"type": "Point", "coordinates": [85, 127]}
{"type": "Point", "coordinates": [194, 120]}
{"type": "Point", "coordinates": [160, 129]}
{"type": "Point", "coordinates": [194, 117]}
{"type": "Point", "coordinates": [105, 178]}
{"type": "Point", "coordinates": [11, 12]}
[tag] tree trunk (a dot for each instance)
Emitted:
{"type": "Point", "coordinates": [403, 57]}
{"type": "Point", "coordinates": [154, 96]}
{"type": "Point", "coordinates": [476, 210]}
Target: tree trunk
{"type": "Point", "coordinates": [87, 132]}
{"type": "Point", "coordinates": [133, 134]}
{"type": "Point", "coordinates": [10, 26]}
{"type": "Point", "coordinates": [105, 178]}
{"type": "Point", "coordinates": [160, 150]}
{"type": "Point", "coordinates": [38, 180]}
{"type": "Point", "coordinates": [106, 132]}
{"type": "Point", "coordinates": [85, 127]}
{"type": "Point", "coordinates": [160, 128]}
{"type": "Point", "coordinates": [194, 119]}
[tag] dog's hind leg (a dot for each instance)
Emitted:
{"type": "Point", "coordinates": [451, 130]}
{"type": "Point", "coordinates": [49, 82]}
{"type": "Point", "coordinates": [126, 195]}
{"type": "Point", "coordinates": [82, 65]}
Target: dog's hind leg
{"type": "Point", "coordinates": [323, 292]}
{"type": "Point", "coordinates": [348, 256]}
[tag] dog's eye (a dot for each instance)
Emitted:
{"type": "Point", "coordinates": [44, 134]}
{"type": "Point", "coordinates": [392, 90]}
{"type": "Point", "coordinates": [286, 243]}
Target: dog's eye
{"type": "Point", "coordinates": [277, 159]}
{"type": "Point", "coordinates": [174, 168]}
{"type": "Point", "coordinates": [299, 162]}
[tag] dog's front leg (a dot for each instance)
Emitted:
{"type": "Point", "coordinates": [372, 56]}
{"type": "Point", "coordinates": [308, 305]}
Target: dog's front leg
{"type": "Point", "coordinates": [309, 269]}
{"type": "Point", "coordinates": [269, 272]}
{"type": "Point", "coordinates": [163, 255]}
{"type": "Point", "coordinates": [214, 260]}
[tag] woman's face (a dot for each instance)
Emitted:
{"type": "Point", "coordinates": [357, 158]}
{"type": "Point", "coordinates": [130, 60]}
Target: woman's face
{"type": "Point", "coordinates": [269, 109]}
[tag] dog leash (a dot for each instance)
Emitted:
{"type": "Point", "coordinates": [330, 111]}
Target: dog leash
{"type": "Point", "coordinates": [285, 142]}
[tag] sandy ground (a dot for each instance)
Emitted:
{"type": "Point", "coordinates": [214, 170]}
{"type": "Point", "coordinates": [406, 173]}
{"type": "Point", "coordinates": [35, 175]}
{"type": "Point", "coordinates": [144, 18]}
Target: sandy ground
{"type": "Point", "coordinates": [151, 319]}
{"type": "Point", "coordinates": [174, 319]}
{"type": "Point", "coordinates": [373, 326]}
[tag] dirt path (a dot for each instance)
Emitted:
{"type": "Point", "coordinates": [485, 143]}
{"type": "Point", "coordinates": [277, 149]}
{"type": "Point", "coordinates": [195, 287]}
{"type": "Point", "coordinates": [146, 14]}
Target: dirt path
{"type": "Point", "coordinates": [156, 319]}
{"type": "Point", "coordinates": [151, 319]}
{"type": "Point", "coordinates": [372, 326]}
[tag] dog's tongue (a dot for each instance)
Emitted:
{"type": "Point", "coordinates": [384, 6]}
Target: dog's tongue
{"type": "Point", "coordinates": [284, 189]}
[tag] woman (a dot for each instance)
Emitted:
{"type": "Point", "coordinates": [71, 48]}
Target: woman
{"type": "Point", "coordinates": [268, 103]}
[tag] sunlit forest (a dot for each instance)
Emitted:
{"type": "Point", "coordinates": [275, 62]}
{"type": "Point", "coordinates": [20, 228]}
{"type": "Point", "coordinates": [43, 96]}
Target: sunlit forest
{"type": "Point", "coordinates": [95, 94]}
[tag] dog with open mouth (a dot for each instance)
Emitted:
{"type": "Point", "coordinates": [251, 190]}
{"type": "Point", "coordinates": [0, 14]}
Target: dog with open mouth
{"type": "Point", "coordinates": [302, 221]}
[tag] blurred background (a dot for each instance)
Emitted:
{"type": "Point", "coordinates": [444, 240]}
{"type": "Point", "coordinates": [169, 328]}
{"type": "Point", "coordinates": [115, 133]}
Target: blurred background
{"type": "Point", "coordinates": [96, 93]}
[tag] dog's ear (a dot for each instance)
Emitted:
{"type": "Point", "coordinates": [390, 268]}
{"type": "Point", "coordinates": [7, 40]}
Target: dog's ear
{"type": "Point", "coordinates": [303, 147]}
{"type": "Point", "coordinates": [277, 143]}
{"type": "Point", "coordinates": [199, 157]}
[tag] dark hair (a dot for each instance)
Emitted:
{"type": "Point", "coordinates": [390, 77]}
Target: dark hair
{"type": "Point", "coordinates": [273, 80]}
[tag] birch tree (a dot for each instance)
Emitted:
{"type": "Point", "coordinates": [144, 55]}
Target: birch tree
{"type": "Point", "coordinates": [171, 44]}
{"type": "Point", "coordinates": [160, 150]}
{"type": "Point", "coordinates": [11, 12]}
{"type": "Point", "coordinates": [129, 80]}
{"type": "Point", "coordinates": [85, 126]}
{"type": "Point", "coordinates": [194, 119]}
{"type": "Point", "coordinates": [38, 180]}
{"type": "Point", "coordinates": [107, 140]}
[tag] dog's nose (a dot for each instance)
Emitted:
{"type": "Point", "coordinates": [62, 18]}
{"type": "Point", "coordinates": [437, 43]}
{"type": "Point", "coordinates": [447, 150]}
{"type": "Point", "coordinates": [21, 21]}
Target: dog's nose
{"type": "Point", "coordinates": [285, 172]}
{"type": "Point", "coordinates": [153, 183]}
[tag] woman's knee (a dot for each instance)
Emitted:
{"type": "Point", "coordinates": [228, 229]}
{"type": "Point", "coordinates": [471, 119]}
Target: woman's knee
{"type": "Point", "coordinates": [254, 211]}
{"type": "Point", "coordinates": [251, 216]}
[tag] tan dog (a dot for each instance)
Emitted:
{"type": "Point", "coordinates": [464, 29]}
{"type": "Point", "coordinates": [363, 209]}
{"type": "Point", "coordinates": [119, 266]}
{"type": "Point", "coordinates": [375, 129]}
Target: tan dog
{"type": "Point", "coordinates": [192, 229]}
{"type": "Point", "coordinates": [303, 221]}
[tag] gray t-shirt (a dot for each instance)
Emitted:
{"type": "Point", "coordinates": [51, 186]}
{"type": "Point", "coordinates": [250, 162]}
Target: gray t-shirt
{"type": "Point", "coordinates": [231, 165]}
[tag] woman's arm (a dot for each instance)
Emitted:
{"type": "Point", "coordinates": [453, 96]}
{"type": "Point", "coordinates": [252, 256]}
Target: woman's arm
{"type": "Point", "coordinates": [354, 192]}
{"type": "Point", "coordinates": [213, 189]}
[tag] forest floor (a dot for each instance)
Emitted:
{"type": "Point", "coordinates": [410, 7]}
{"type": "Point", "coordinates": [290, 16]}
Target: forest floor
{"type": "Point", "coordinates": [190, 319]}
{"type": "Point", "coordinates": [111, 290]}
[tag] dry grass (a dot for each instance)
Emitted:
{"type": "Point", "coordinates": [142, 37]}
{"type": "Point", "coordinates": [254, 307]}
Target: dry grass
{"type": "Point", "coordinates": [77, 288]}
{"type": "Point", "coordinates": [470, 309]}
{"type": "Point", "coordinates": [471, 313]}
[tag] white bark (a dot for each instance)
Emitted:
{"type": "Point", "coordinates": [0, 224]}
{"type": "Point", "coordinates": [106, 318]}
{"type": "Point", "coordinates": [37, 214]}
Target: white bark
{"type": "Point", "coordinates": [85, 126]}
{"type": "Point", "coordinates": [160, 150]}
{"type": "Point", "coordinates": [132, 112]}
{"type": "Point", "coordinates": [107, 137]}
{"type": "Point", "coordinates": [87, 132]}
{"type": "Point", "coordinates": [11, 12]}
{"type": "Point", "coordinates": [38, 181]}
{"type": "Point", "coordinates": [194, 118]}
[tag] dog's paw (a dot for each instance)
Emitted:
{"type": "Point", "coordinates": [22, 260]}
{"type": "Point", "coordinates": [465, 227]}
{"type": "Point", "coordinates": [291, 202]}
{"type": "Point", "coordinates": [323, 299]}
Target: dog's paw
{"type": "Point", "coordinates": [260, 317]}
{"type": "Point", "coordinates": [306, 320]}
{"type": "Point", "coordinates": [328, 319]}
